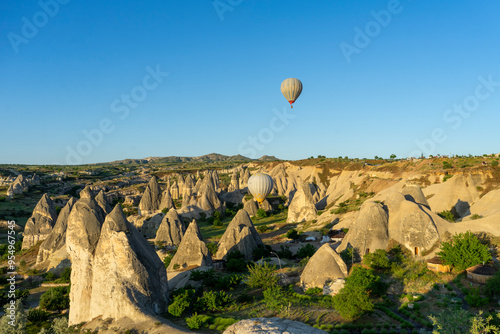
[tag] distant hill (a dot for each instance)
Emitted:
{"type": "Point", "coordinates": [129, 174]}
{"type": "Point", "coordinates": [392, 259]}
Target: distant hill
{"type": "Point", "coordinates": [212, 157]}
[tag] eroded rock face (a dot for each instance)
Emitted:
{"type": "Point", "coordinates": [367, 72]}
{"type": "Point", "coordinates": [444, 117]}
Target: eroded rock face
{"type": "Point", "coordinates": [82, 235]}
{"type": "Point", "coordinates": [102, 201]}
{"type": "Point", "coordinates": [302, 206]}
{"type": "Point", "coordinates": [166, 201]}
{"type": "Point", "coordinates": [271, 326]}
{"type": "Point", "coordinates": [129, 280]}
{"type": "Point", "coordinates": [251, 208]}
{"type": "Point", "coordinates": [171, 229]}
{"type": "Point", "coordinates": [56, 240]}
{"type": "Point", "coordinates": [413, 193]}
{"type": "Point", "coordinates": [41, 222]}
{"type": "Point", "coordinates": [325, 266]}
{"type": "Point", "coordinates": [192, 250]}
{"type": "Point", "coordinates": [235, 184]}
{"type": "Point", "coordinates": [150, 201]}
{"type": "Point", "coordinates": [240, 235]}
{"type": "Point", "coordinates": [369, 231]}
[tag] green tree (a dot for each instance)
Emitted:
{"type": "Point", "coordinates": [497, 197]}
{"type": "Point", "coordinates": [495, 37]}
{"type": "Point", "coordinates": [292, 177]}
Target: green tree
{"type": "Point", "coordinates": [378, 259]}
{"type": "Point", "coordinates": [463, 251]}
{"type": "Point", "coordinates": [19, 322]}
{"type": "Point", "coordinates": [262, 276]}
{"type": "Point", "coordinates": [393, 156]}
{"type": "Point", "coordinates": [55, 299]}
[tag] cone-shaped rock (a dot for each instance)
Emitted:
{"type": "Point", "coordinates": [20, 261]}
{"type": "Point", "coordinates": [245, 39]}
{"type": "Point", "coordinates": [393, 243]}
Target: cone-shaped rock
{"type": "Point", "coordinates": [151, 199]}
{"type": "Point", "coordinates": [174, 190]}
{"type": "Point", "coordinates": [129, 280]}
{"type": "Point", "coordinates": [41, 222]}
{"type": "Point", "coordinates": [171, 229]}
{"type": "Point", "coordinates": [56, 240]}
{"type": "Point", "coordinates": [369, 231]}
{"type": "Point", "coordinates": [251, 207]}
{"type": "Point", "coordinates": [240, 235]}
{"type": "Point", "coordinates": [102, 200]}
{"type": "Point", "coordinates": [235, 185]}
{"type": "Point", "coordinates": [82, 235]}
{"type": "Point", "coordinates": [192, 250]}
{"type": "Point", "coordinates": [325, 266]}
{"type": "Point", "coordinates": [302, 206]}
{"type": "Point", "coordinates": [166, 200]}
{"type": "Point", "coordinates": [414, 194]}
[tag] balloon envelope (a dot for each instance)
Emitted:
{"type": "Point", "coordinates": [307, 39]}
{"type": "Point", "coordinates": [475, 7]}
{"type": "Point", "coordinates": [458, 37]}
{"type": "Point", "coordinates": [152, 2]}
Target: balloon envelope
{"type": "Point", "coordinates": [260, 185]}
{"type": "Point", "coordinates": [291, 89]}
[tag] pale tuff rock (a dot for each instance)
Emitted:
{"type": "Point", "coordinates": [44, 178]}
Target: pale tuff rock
{"type": "Point", "coordinates": [171, 229]}
{"type": "Point", "coordinates": [271, 326]}
{"type": "Point", "coordinates": [208, 201]}
{"type": "Point", "coordinates": [235, 185]}
{"type": "Point", "coordinates": [325, 266]}
{"type": "Point", "coordinates": [189, 184]}
{"type": "Point", "coordinates": [129, 280]}
{"type": "Point", "coordinates": [370, 231]}
{"type": "Point", "coordinates": [413, 193]}
{"type": "Point", "coordinates": [35, 180]}
{"type": "Point", "coordinates": [150, 226]}
{"type": "Point", "coordinates": [283, 183]}
{"type": "Point", "coordinates": [150, 201]}
{"type": "Point", "coordinates": [266, 206]}
{"type": "Point", "coordinates": [174, 190]}
{"type": "Point", "coordinates": [56, 240]}
{"type": "Point", "coordinates": [41, 222]}
{"type": "Point", "coordinates": [82, 235]}
{"type": "Point", "coordinates": [251, 208]}
{"type": "Point", "coordinates": [302, 206]}
{"type": "Point", "coordinates": [192, 250]}
{"type": "Point", "coordinates": [166, 200]}
{"type": "Point", "coordinates": [239, 235]}
{"type": "Point", "coordinates": [244, 176]}
{"type": "Point", "coordinates": [102, 201]}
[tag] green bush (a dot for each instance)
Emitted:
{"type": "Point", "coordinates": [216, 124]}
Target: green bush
{"type": "Point", "coordinates": [217, 222]}
{"type": "Point", "coordinates": [181, 302]}
{"type": "Point", "coordinates": [261, 251]}
{"type": "Point", "coordinates": [379, 259]}
{"type": "Point", "coordinates": [262, 228]}
{"type": "Point", "coordinates": [197, 320]}
{"type": "Point", "coordinates": [285, 252]}
{"type": "Point", "coordinates": [314, 291]}
{"type": "Point", "coordinates": [214, 300]}
{"type": "Point", "coordinates": [494, 163]}
{"type": "Point", "coordinates": [37, 315]}
{"type": "Point", "coordinates": [463, 251]}
{"type": "Point", "coordinates": [221, 324]}
{"type": "Point", "coordinates": [261, 213]}
{"type": "Point", "coordinates": [65, 275]}
{"type": "Point", "coordinates": [49, 276]}
{"type": "Point", "coordinates": [448, 215]}
{"type": "Point", "coordinates": [213, 247]}
{"type": "Point", "coordinates": [492, 287]}
{"type": "Point", "coordinates": [307, 250]}
{"type": "Point", "coordinates": [235, 261]}
{"type": "Point", "coordinates": [261, 276]}
{"type": "Point", "coordinates": [208, 277]}
{"type": "Point", "coordinates": [349, 254]}
{"type": "Point", "coordinates": [474, 298]}
{"type": "Point", "coordinates": [476, 216]}
{"type": "Point", "coordinates": [447, 177]}
{"type": "Point", "coordinates": [55, 299]}
{"type": "Point", "coordinates": [292, 234]}
{"type": "Point", "coordinates": [167, 259]}
{"type": "Point", "coordinates": [447, 165]}
{"type": "Point", "coordinates": [275, 297]}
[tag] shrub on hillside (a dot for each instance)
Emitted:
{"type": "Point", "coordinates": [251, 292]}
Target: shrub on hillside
{"type": "Point", "coordinates": [261, 276]}
{"type": "Point", "coordinates": [463, 251]}
{"type": "Point", "coordinates": [307, 250]}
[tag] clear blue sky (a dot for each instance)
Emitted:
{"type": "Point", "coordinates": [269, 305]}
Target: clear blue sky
{"type": "Point", "coordinates": [224, 74]}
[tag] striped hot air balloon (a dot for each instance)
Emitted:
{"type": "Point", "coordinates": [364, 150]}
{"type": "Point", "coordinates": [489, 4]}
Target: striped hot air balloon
{"type": "Point", "coordinates": [291, 89]}
{"type": "Point", "coordinates": [260, 185]}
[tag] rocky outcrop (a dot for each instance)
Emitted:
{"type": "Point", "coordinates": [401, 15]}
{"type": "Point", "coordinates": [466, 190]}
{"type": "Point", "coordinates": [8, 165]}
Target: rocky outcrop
{"type": "Point", "coordinates": [56, 240]}
{"type": "Point", "coordinates": [208, 201]}
{"type": "Point", "coordinates": [151, 199]}
{"type": "Point", "coordinates": [244, 176]}
{"type": "Point", "coordinates": [150, 226]}
{"type": "Point", "coordinates": [129, 280]}
{"type": "Point", "coordinates": [192, 251]}
{"type": "Point", "coordinates": [102, 201]}
{"type": "Point", "coordinates": [302, 206]}
{"type": "Point", "coordinates": [251, 208]}
{"type": "Point", "coordinates": [240, 235]}
{"type": "Point", "coordinates": [413, 193]}
{"type": "Point", "coordinates": [369, 231]}
{"type": "Point", "coordinates": [271, 326]}
{"type": "Point", "coordinates": [166, 201]}
{"type": "Point", "coordinates": [266, 206]}
{"type": "Point", "coordinates": [234, 185]}
{"type": "Point", "coordinates": [35, 180]}
{"type": "Point", "coordinates": [325, 266]}
{"type": "Point", "coordinates": [41, 222]}
{"type": "Point", "coordinates": [174, 190]}
{"type": "Point", "coordinates": [82, 235]}
{"type": "Point", "coordinates": [171, 229]}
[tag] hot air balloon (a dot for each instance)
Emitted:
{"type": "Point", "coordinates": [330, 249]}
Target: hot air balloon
{"type": "Point", "coordinates": [291, 89]}
{"type": "Point", "coordinates": [260, 185]}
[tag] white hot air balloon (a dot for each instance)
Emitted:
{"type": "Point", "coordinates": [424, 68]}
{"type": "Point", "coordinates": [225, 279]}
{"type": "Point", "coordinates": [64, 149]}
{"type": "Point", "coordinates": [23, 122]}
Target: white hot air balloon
{"type": "Point", "coordinates": [291, 89]}
{"type": "Point", "coordinates": [260, 185]}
